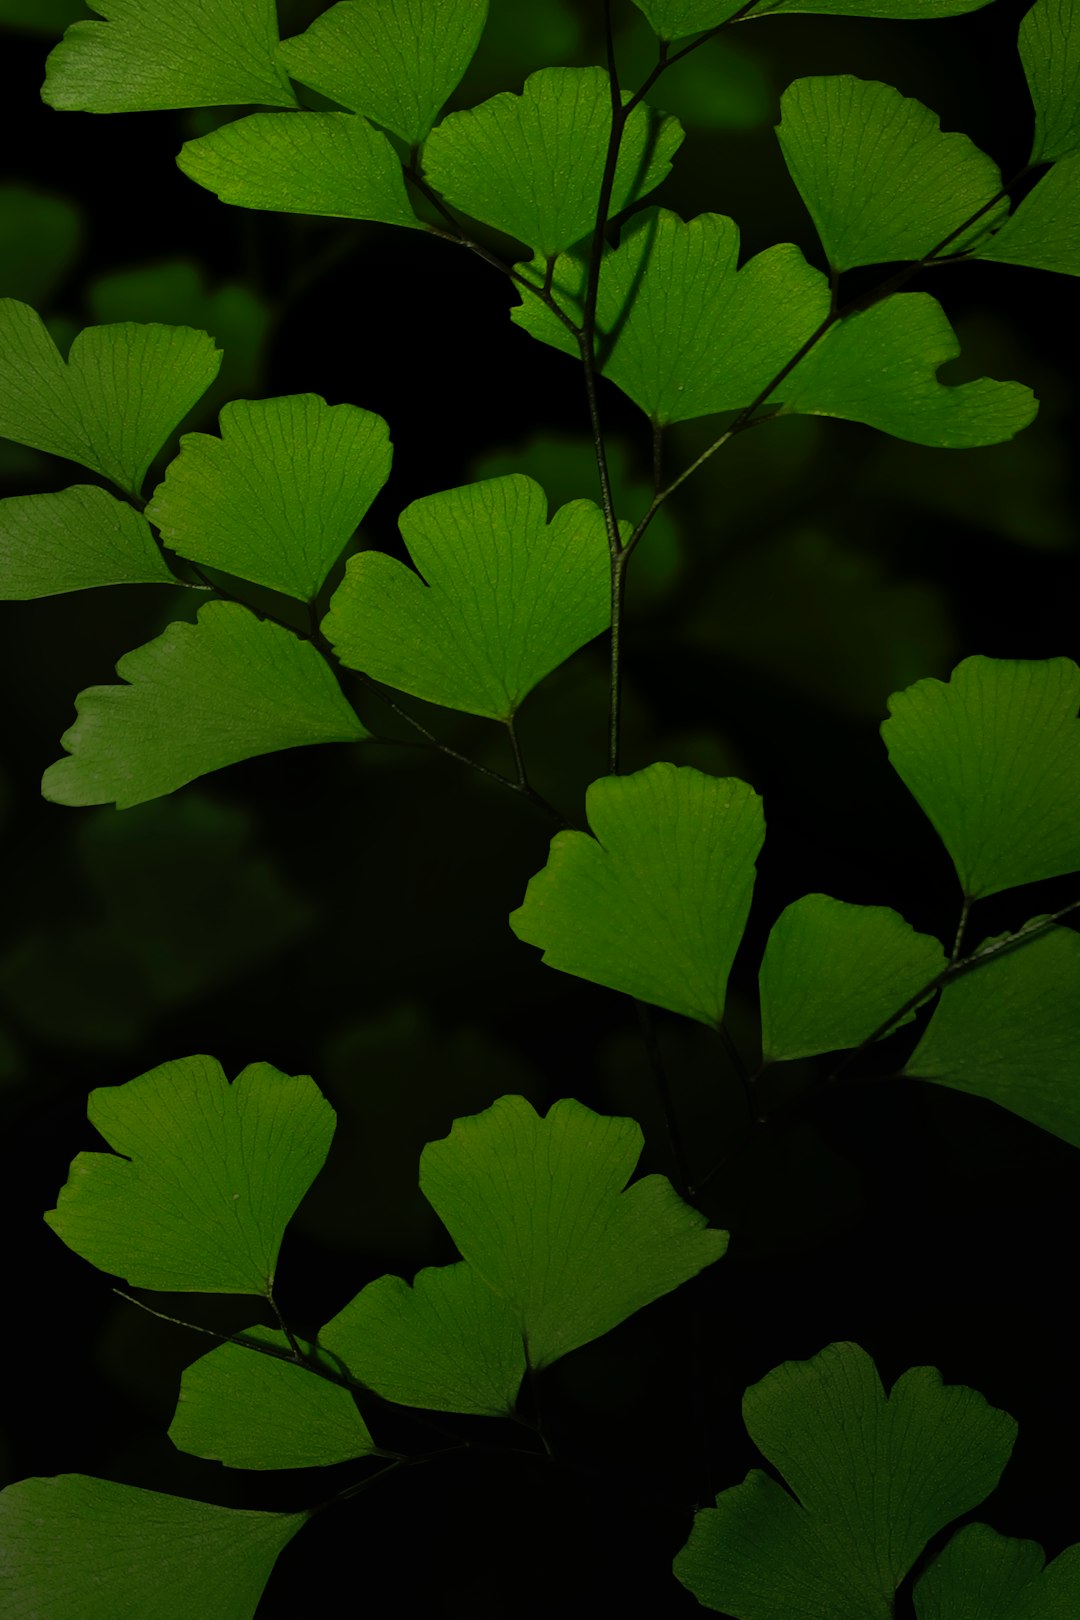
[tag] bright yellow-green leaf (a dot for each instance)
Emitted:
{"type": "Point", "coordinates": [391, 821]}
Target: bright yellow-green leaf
{"type": "Point", "coordinates": [75, 539]}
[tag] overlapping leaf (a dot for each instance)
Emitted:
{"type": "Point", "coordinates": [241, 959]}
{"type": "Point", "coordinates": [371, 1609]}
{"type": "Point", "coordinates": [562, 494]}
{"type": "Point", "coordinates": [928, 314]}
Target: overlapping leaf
{"type": "Point", "coordinates": [1043, 232]}
{"type": "Point", "coordinates": [538, 1208]}
{"type": "Point", "coordinates": [879, 176]}
{"type": "Point", "coordinates": [674, 19]}
{"type": "Point", "coordinates": [396, 61]}
{"type": "Point", "coordinates": [993, 757]}
{"type": "Point", "coordinates": [1009, 1030]}
{"type": "Point", "coordinates": [116, 399]}
{"type": "Point", "coordinates": [189, 53]}
{"type": "Point", "coordinates": [531, 164]}
{"type": "Point", "coordinates": [873, 1478]}
{"type": "Point", "coordinates": [681, 330]}
{"type": "Point", "coordinates": [1050, 51]}
{"type": "Point", "coordinates": [249, 1410]}
{"type": "Point", "coordinates": [276, 498]}
{"type": "Point", "coordinates": [654, 903]}
{"type": "Point", "coordinates": [981, 1575]}
{"type": "Point", "coordinates": [91, 1549]}
{"type": "Point", "coordinates": [329, 163]}
{"type": "Point", "coordinates": [448, 1342]}
{"type": "Point", "coordinates": [210, 1174]}
{"type": "Point", "coordinates": [200, 696]}
{"type": "Point", "coordinates": [70, 541]}
{"type": "Point", "coordinates": [508, 596]}
{"type": "Point", "coordinates": [832, 973]}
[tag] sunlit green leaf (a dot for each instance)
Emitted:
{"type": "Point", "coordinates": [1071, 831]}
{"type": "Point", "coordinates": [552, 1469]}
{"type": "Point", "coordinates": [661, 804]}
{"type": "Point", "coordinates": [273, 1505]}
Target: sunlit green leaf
{"type": "Point", "coordinates": [73, 540]}
{"type": "Point", "coordinates": [91, 1549]}
{"type": "Point", "coordinates": [1050, 51]}
{"type": "Point", "coordinates": [116, 399]}
{"type": "Point", "coordinates": [680, 329]}
{"type": "Point", "coordinates": [328, 163]}
{"type": "Point", "coordinates": [210, 1172]}
{"type": "Point", "coordinates": [879, 366]}
{"type": "Point", "coordinates": [39, 237]}
{"type": "Point", "coordinates": [872, 1479]}
{"type": "Point", "coordinates": [277, 497]}
{"type": "Point", "coordinates": [531, 164]}
{"type": "Point", "coordinates": [832, 973]}
{"type": "Point", "coordinates": [249, 1410]}
{"type": "Point", "coordinates": [673, 19]}
{"type": "Point", "coordinates": [396, 61]}
{"type": "Point", "coordinates": [502, 596]}
{"type": "Point", "coordinates": [1044, 230]}
{"type": "Point", "coordinates": [981, 1575]}
{"type": "Point", "coordinates": [654, 903]}
{"type": "Point", "coordinates": [201, 696]}
{"type": "Point", "coordinates": [189, 53]}
{"type": "Point", "coordinates": [879, 176]}
{"type": "Point", "coordinates": [447, 1342]}
{"type": "Point", "coordinates": [993, 757]}
{"type": "Point", "coordinates": [537, 1206]}
{"type": "Point", "coordinates": [1009, 1030]}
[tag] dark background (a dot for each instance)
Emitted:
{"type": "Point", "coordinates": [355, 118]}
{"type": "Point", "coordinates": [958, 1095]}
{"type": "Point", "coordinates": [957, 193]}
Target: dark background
{"type": "Point", "coordinates": [343, 914]}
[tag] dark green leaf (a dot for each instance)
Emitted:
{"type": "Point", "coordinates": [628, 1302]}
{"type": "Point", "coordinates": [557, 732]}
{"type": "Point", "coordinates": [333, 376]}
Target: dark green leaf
{"type": "Point", "coordinates": [1050, 51]}
{"type": "Point", "coordinates": [1044, 230]}
{"type": "Point", "coordinates": [39, 237]}
{"type": "Point", "coordinates": [73, 540]}
{"type": "Point", "coordinates": [983, 1576]}
{"type": "Point", "coordinates": [673, 19]}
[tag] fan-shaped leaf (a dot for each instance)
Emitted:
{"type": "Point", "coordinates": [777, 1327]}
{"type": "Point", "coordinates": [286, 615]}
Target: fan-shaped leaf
{"type": "Point", "coordinates": [993, 757]}
{"type": "Point", "coordinates": [90, 1549]}
{"type": "Point", "coordinates": [674, 19]}
{"type": "Point", "coordinates": [880, 178]}
{"type": "Point", "coordinates": [249, 1410]}
{"type": "Point", "coordinates": [680, 329]}
{"type": "Point", "coordinates": [1044, 230]}
{"type": "Point", "coordinates": [189, 53]}
{"type": "Point", "coordinates": [116, 399]}
{"type": "Point", "coordinates": [508, 596]}
{"type": "Point", "coordinates": [211, 1172]}
{"type": "Point", "coordinates": [656, 901]}
{"type": "Point", "coordinates": [879, 366]}
{"type": "Point", "coordinates": [1009, 1030]}
{"type": "Point", "coordinates": [1050, 51]}
{"type": "Point", "coordinates": [447, 1342]}
{"type": "Point", "coordinates": [872, 1479]}
{"type": "Point", "coordinates": [832, 973]}
{"type": "Point", "coordinates": [983, 1576]}
{"type": "Point", "coordinates": [276, 498]}
{"type": "Point", "coordinates": [201, 696]}
{"type": "Point", "coordinates": [328, 163]}
{"type": "Point", "coordinates": [531, 165]}
{"type": "Point", "coordinates": [75, 539]}
{"type": "Point", "coordinates": [538, 1208]}
{"type": "Point", "coordinates": [396, 61]}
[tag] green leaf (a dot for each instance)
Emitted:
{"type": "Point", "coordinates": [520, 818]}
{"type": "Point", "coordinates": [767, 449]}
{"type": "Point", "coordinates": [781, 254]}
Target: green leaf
{"type": "Point", "coordinates": [1044, 230]}
{"type": "Point", "coordinates": [40, 236]}
{"type": "Point", "coordinates": [833, 973]}
{"type": "Point", "coordinates": [90, 1549]}
{"type": "Point", "coordinates": [210, 1174]}
{"type": "Point", "coordinates": [1050, 51]}
{"type": "Point", "coordinates": [75, 539]}
{"type": "Point", "coordinates": [993, 757]}
{"type": "Point", "coordinates": [249, 1410]}
{"type": "Point", "coordinates": [47, 17]}
{"type": "Point", "coordinates": [396, 61]}
{"type": "Point", "coordinates": [674, 19]}
{"type": "Point", "coordinates": [879, 366]}
{"type": "Point", "coordinates": [880, 178]}
{"type": "Point", "coordinates": [277, 497]}
{"type": "Point", "coordinates": [654, 903]}
{"type": "Point", "coordinates": [448, 1342]}
{"type": "Point", "coordinates": [538, 1208]}
{"type": "Point", "coordinates": [201, 696]}
{"type": "Point", "coordinates": [146, 56]}
{"type": "Point", "coordinates": [502, 598]}
{"type": "Point", "coordinates": [116, 399]}
{"type": "Point", "coordinates": [1009, 1030]}
{"type": "Point", "coordinates": [328, 163]}
{"type": "Point", "coordinates": [681, 330]}
{"type": "Point", "coordinates": [872, 1480]}
{"type": "Point", "coordinates": [531, 164]}
{"type": "Point", "coordinates": [983, 1576]}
